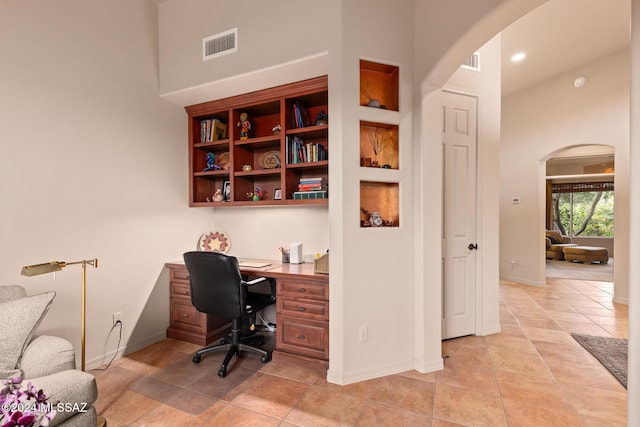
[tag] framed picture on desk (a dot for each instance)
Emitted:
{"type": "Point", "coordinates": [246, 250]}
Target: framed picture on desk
{"type": "Point", "coordinates": [277, 194]}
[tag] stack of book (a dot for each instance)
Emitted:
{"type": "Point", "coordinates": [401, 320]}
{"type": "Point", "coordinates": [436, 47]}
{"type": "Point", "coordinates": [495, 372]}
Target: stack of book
{"type": "Point", "coordinates": [297, 151]}
{"type": "Point", "coordinates": [212, 130]}
{"type": "Point", "coordinates": [311, 188]}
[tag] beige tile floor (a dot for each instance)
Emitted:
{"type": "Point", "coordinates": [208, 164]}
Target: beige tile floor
{"type": "Point", "coordinates": [531, 374]}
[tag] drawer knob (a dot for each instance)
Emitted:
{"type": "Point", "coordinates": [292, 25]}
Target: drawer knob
{"type": "Point", "coordinates": [186, 292]}
{"type": "Point", "coordinates": [301, 309]}
{"type": "Point", "coordinates": [302, 290]}
{"type": "Point", "coordinates": [301, 337]}
{"type": "Point", "coordinates": [185, 315]}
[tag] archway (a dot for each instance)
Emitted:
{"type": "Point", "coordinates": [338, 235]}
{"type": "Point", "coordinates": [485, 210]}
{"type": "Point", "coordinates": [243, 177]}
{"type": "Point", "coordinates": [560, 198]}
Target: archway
{"type": "Point", "coordinates": [435, 77]}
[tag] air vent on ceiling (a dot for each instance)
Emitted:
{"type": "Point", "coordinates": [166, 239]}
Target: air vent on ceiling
{"type": "Point", "coordinates": [472, 62]}
{"type": "Point", "coordinates": [220, 44]}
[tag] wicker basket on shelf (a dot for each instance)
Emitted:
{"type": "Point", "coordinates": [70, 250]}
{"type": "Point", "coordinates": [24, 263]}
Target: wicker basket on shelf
{"type": "Point", "coordinates": [321, 264]}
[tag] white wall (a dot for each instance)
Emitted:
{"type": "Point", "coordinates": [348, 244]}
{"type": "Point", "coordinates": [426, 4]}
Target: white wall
{"type": "Point", "coordinates": [275, 37]}
{"type": "Point", "coordinates": [633, 379]}
{"type": "Point", "coordinates": [374, 286]}
{"type": "Point", "coordinates": [541, 120]}
{"type": "Point", "coordinates": [93, 164]}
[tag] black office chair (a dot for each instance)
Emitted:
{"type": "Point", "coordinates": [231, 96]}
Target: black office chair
{"type": "Point", "coordinates": [217, 287]}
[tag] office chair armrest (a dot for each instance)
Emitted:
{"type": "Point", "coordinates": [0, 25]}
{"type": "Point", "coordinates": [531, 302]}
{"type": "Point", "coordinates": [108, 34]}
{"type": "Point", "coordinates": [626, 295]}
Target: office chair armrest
{"type": "Point", "coordinates": [255, 281]}
{"type": "Point", "coordinates": [272, 284]}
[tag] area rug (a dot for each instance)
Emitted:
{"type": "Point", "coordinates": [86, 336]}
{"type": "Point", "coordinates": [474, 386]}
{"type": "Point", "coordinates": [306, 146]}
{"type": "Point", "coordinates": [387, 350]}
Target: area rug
{"type": "Point", "coordinates": [611, 352]}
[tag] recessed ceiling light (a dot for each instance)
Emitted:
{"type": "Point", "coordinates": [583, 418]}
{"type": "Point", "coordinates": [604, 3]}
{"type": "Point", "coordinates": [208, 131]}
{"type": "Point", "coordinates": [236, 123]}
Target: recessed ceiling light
{"type": "Point", "coordinates": [579, 82]}
{"type": "Point", "coordinates": [518, 57]}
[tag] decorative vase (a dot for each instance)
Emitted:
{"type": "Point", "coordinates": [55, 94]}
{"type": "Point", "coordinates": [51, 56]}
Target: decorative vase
{"type": "Point", "coordinates": [375, 219]}
{"type": "Point", "coordinates": [218, 197]}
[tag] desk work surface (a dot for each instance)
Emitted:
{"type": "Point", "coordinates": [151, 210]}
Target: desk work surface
{"type": "Point", "coordinates": [270, 268]}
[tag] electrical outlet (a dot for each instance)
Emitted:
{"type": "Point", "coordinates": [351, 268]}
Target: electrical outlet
{"type": "Point", "coordinates": [117, 317]}
{"type": "Point", "coordinates": [363, 334]}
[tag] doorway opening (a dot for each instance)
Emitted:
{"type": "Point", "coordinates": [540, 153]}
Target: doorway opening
{"type": "Point", "coordinates": [580, 213]}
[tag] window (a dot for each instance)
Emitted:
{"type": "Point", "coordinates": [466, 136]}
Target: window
{"type": "Point", "coordinates": [583, 209]}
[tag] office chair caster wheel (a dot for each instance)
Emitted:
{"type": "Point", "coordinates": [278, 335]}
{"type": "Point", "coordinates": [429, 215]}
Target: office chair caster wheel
{"type": "Point", "coordinates": [197, 358]}
{"type": "Point", "coordinates": [222, 372]}
{"type": "Point", "coordinates": [265, 359]}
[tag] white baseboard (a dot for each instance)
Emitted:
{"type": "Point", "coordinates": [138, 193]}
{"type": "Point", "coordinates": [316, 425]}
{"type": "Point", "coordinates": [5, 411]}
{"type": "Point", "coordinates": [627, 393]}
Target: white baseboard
{"type": "Point", "coordinates": [124, 349]}
{"type": "Point", "coordinates": [623, 301]}
{"type": "Point", "coordinates": [522, 281]}
{"type": "Point", "coordinates": [369, 374]}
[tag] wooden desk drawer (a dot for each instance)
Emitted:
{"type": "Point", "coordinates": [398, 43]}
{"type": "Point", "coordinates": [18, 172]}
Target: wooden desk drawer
{"type": "Point", "coordinates": [298, 289]}
{"type": "Point", "coordinates": [184, 315]}
{"type": "Point", "coordinates": [179, 274]}
{"type": "Point", "coordinates": [180, 290]}
{"type": "Point", "coordinates": [301, 307]}
{"type": "Point", "coordinates": [303, 336]}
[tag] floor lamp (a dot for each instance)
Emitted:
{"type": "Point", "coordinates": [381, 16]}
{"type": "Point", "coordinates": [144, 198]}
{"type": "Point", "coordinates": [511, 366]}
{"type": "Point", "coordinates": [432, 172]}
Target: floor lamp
{"type": "Point", "coordinates": [52, 267]}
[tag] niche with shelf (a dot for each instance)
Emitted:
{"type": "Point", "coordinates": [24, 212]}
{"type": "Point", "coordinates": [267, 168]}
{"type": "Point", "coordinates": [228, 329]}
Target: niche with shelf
{"type": "Point", "coordinates": [378, 145]}
{"type": "Point", "coordinates": [379, 85]}
{"type": "Point", "coordinates": [380, 198]}
{"type": "Point", "coordinates": [263, 157]}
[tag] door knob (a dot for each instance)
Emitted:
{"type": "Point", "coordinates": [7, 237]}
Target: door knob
{"type": "Point", "coordinates": [473, 246]}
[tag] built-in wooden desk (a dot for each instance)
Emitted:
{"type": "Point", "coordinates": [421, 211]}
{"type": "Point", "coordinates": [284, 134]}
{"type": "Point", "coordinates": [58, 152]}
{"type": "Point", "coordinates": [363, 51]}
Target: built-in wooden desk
{"type": "Point", "coordinates": [302, 312]}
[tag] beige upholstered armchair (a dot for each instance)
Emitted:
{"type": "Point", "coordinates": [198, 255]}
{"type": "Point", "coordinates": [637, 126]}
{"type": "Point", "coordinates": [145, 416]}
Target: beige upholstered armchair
{"type": "Point", "coordinates": [48, 362]}
{"type": "Point", "coordinates": [556, 243]}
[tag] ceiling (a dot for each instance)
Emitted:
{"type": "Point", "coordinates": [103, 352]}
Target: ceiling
{"type": "Point", "coordinates": [561, 35]}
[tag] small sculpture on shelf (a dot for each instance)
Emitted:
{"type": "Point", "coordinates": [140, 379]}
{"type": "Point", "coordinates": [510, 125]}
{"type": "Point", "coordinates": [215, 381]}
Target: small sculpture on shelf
{"type": "Point", "coordinates": [321, 118]}
{"type": "Point", "coordinates": [374, 220]}
{"type": "Point", "coordinates": [211, 163]}
{"type": "Point", "coordinates": [257, 195]}
{"type": "Point", "coordinates": [371, 101]}
{"type": "Point", "coordinates": [244, 125]}
{"type": "Point", "coordinates": [217, 196]}
{"type": "Point", "coordinates": [276, 129]}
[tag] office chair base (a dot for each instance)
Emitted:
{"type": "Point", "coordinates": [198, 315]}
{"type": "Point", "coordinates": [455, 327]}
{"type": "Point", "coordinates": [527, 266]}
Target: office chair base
{"type": "Point", "coordinates": [233, 350]}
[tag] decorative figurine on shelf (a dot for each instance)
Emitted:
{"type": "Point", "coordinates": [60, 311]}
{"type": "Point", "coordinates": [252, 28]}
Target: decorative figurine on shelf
{"type": "Point", "coordinates": [375, 219]}
{"type": "Point", "coordinates": [321, 118]}
{"type": "Point", "coordinates": [217, 196]}
{"type": "Point", "coordinates": [276, 129]}
{"type": "Point", "coordinates": [211, 163]}
{"type": "Point", "coordinates": [244, 126]}
{"type": "Point", "coordinates": [257, 195]}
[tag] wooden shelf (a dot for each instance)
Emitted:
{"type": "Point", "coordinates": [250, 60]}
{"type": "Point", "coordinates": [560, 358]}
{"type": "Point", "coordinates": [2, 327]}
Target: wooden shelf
{"type": "Point", "coordinates": [265, 110]}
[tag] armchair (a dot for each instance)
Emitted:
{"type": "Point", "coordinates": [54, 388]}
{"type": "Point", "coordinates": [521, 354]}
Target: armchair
{"type": "Point", "coordinates": [48, 362]}
{"type": "Point", "coordinates": [555, 244]}
{"type": "Point", "coordinates": [217, 288]}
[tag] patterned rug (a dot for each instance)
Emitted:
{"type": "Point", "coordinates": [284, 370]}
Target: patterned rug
{"type": "Point", "coordinates": [611, 352]}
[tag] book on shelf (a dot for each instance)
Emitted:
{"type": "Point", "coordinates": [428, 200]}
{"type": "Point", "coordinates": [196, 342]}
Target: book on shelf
{"type": "Point", "coordinates": [300, 115]}
{"type": "Point", "coordinates": [299, 151]}
{"type": "Point", "coordinates": [212, 130]}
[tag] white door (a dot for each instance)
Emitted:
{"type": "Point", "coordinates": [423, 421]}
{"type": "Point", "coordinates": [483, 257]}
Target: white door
{"type": "Point", "coordinates": [459, 216]}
